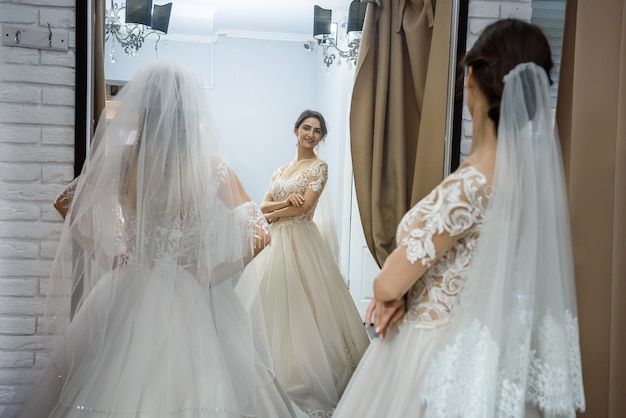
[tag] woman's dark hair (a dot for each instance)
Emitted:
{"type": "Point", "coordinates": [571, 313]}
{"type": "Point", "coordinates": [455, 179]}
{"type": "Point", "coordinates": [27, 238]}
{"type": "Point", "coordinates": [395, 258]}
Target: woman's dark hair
{"type": "Point", "coordinates": [312, 114]}
{"type": "Point", "coordinates": [500, 48]}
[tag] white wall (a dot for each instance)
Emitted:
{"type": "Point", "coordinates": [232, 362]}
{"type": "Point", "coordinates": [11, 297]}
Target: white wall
{"type": "Point", "coordinates": [260, 89]}
{"type": "Point", "coordinates": [257, 89]}
{"type": "Point", "coordinates": [36, 162]}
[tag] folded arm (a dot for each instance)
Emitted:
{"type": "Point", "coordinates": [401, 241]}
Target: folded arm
{"type": "Point", "coordinates": [308, 200]}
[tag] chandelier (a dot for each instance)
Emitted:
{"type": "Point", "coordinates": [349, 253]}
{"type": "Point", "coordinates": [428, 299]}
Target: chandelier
{"type": "Point", "coordinates": [140, 20]}
{"type": "Point", "coordinates": [325, 31]}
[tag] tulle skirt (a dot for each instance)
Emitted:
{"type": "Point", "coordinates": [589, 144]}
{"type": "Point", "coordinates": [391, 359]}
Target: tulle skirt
{"type": "Point", "coordinates": [154, 342]}
{"type": "Point", "coordinates": [388, 379]}
{"type": "Point", "coordinates": [314, 331]}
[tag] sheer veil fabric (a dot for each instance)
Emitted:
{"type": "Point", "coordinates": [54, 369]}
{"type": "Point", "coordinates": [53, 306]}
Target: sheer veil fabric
{"type": "Point", "coordinates": [514, 346]}
{"type": "Point", "coordinates": [142, 318]}
{"type": "Point", "coordinates": [325, 221]}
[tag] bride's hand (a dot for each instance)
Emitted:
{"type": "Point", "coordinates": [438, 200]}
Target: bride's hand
{"type": "Point", "coordinates": [295, 200]}
{"type": "Point", "coordinates": [385, 314]}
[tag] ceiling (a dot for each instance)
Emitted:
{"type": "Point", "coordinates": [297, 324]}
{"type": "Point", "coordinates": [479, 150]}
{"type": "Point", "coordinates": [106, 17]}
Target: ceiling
{"type": "Point", "coordinates": [211, 17]}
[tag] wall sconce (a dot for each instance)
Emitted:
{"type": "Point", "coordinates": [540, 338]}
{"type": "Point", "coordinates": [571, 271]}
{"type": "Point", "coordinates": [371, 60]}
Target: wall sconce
{"type": "Point", "coordinates": [325, 31]}
{"type": "Point", "coordinates": [140, 20]}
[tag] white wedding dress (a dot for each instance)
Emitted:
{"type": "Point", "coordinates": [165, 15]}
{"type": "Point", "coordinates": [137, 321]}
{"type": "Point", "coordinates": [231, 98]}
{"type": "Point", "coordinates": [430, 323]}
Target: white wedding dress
{"type": "Point", "coordinates": [162, 340]}
{"type": "Point", "coordinates": [491, 327]}
{"type": "Point", "coordinates": [141, 316]}
{"type": "Point", "coordinates": [398, 363]}
{"type": "Point", "coordinates": [314, 330]}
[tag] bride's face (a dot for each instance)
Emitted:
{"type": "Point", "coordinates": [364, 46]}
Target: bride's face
{"type": "Point", "coordinates": [309, 133]}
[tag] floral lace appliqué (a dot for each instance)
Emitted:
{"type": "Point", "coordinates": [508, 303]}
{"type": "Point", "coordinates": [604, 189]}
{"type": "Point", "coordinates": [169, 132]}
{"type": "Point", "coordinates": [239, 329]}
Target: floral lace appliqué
{"type": "Point", "coordinates": [313, 177]}
{"type": "Point", "coordinates": [555, 380]}
{"type": "Point", "coordinates": [256, 223]}
{"type": "Point", "coordinates": [318, 413]}
{"type": "Point", "coordinates": [456, 207]}
{"type": "Point", "coordinates": [534, 372]}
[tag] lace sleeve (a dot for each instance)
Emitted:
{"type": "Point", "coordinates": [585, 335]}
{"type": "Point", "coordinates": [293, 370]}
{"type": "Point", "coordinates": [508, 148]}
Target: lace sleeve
{"type": "Point", "coordinates": [431, 228]}
{"type": "Point", "coordinates": [248, 231]}
{"type": "Point", "coordinates": [105, 232]}
{"type": "Point", "coordinates": [318, 177]}
{"type": "Point", "coordinates": [258, 228]}
{"type": "Point", "coordinates": [444, 216]}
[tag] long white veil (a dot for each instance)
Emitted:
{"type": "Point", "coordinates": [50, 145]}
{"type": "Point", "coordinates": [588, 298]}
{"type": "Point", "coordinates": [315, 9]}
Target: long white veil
{"type": "Point", "coordinates": [325, 219]}
{"type": "Point", "coordinates": [158, 218]}
{"type": "Point", "coordinates": [514, 343]}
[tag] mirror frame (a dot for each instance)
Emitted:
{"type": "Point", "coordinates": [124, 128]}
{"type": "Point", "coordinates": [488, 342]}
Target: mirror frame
{"type": "Point", "coordinates": [456, 80]}
{"type": "Point", "coordinates": [82, 105]}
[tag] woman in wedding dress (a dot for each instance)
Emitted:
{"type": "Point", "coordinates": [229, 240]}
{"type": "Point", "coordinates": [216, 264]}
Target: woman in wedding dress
{"type": "Point", "coordinates": [482, 277]}
{"type": "Point", "coordinates": [142, 316]}
{"type": "Point", "coordinates": [314, 331]}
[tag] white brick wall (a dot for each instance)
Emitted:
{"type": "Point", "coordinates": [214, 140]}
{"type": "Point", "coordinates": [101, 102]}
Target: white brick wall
{"type": "Point", "coordinates": [480, 14]}
{"type": "Point", "coordinates": [36, 163]}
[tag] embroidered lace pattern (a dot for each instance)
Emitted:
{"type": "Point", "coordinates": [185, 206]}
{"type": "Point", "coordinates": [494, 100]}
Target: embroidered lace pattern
{"type": "Point", "coordinates": [318, 413]}
{"type": "Point", "coordinates": [455, 387]}
{"type": "Point", "coordinates": [348, 354]}
{"type": "Point", "coordinates": [555, 381]}
{"type": "Point", "coordinates": [177, 242]}
{"type": "Point", "coordinates": [456, 207]}
{"type": "Point", "coordinates": [313, 177]}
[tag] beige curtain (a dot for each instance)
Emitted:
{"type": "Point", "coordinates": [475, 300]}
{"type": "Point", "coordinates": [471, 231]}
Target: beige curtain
{"type": "Point", "coordinates": [397, 115]}
{"type": "Point", "coordinates": [591, 114]}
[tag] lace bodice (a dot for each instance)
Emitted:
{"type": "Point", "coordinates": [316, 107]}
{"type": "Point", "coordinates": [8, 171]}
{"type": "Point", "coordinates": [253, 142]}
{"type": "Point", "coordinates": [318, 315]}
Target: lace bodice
{"type": "Point", "coordinates": [196, 241]}
{"type": "Point", "coordinates": [455, 207]}
{"type": "Point", "coordinates": [313, 177]}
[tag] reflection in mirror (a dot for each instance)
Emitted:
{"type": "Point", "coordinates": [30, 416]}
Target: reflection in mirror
{"type": "Point", "coordinates": [112, 88]}
{"type": "Point", "coordinates": [260, 66]}
{"type": "Point", "coordinates": [549, 15]}
{"type": "Point", "coordinates": [129, 24]}
{"type": "Point", "coordinates": [258, 76]}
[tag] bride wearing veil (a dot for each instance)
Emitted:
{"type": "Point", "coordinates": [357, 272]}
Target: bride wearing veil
{"type": "Point", "coordinates": [142, 318]}
{"type": "Point", "coordinates": [484, 264]}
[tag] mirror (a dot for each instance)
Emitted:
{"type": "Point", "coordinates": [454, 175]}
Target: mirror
{"type": "Point", "coordinates": [261, 67]}
{"type": "Point", "coordinates": [259, 70]}
{"type": "Point", "coordinates": [549, 15]}
{"type": "Point", "coordinates": [259, 63]}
